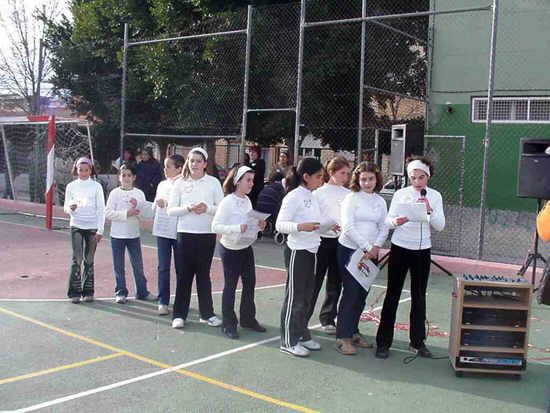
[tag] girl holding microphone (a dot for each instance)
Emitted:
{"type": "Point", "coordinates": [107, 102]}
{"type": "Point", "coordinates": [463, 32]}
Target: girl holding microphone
{"type": "Point", "coordinates": [410, 251]}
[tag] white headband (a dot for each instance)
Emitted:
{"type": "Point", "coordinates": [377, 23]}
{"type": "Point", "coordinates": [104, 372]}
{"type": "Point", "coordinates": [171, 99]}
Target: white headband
{"type": "Point", "coordinates": [416, 164]}
{"type": "Point", "coordinates": [199, 150]}
{"type": "Point", "coordinates": [240, 172]}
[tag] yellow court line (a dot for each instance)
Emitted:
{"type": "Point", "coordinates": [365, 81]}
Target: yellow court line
{"type": "Point", "coordinates": [60, 368]}
{"type": "Point", "coordinates": [147, 360]}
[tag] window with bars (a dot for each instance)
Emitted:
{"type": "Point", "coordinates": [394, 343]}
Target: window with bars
{"type": "Point", "coordinates": [513, 110]}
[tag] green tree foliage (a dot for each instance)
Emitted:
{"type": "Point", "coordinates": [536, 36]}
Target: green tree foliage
{"type": "Point", "coordinates": [195, 87]}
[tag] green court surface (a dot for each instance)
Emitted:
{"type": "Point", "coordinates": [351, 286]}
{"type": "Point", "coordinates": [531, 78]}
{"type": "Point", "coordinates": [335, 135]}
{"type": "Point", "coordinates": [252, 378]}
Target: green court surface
{"type": "Point", "coordinates": [59, 357]}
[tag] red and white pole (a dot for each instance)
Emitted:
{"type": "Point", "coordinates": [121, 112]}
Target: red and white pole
{"type": "Point", "coordinates": [50, 186]}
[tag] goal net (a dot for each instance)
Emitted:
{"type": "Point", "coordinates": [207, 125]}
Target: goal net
{"type": "Point", "coordinates": [23, 156]}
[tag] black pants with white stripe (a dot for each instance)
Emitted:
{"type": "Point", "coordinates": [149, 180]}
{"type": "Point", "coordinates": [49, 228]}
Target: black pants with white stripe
{"type": "Point", "coordinates": [300, 282]}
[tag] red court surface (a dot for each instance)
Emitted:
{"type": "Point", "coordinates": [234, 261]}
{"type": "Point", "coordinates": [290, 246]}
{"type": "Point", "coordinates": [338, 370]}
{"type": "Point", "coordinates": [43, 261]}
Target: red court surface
{"type": "Point", "coordinates": [35, 265]}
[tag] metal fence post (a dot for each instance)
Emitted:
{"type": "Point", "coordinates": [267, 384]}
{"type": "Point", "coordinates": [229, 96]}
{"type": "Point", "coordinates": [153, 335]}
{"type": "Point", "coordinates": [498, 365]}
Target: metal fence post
{"type": "Point", "coordinates": [359, 156]}
{"type": "Point", "coordinates": [123, 93]}
{"type": "Point", "coordinates": [8, 164]}
{"type": "Point", "coordinates": [299, 81]}
{"type": "Point", "coordinates": [488, 124]}
{"type": "Point", "coordinates": [246, 83]}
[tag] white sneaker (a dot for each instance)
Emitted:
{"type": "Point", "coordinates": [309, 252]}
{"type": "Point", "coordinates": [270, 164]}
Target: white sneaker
{"type": "Point", "coordinates": [310, 345]}
{"type": "Point", "coordinates": [297, 350]}
{"type": "Point", "coordinates": [178, 323]}
{"type": "Point", "coordinates": [212, 321]}
{"type": "Point", "coordinates": [120, 299]}
{"type": "Point", "coordinates": [329, 329]}
{"type": "Point", "coordinates": [149, 297]}
{"type": "Point", "coordinates": [163, 309]}
{"type": "Point", "coordinates": [88, 298]}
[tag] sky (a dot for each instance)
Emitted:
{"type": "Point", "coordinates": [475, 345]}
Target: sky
{"type": "Point", "coordinates": [29, 6]}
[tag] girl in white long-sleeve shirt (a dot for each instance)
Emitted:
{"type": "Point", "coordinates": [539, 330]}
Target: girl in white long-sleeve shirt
{"type": "Point", "coordinates": [300, 217]}
{"type": "Point", "coordinates": [194, 200]}
{"type": "Point", "coordinates": [165, 228]}
{"type": "Point", "coordinates": [410, 251]}
{"type": "Point", "coordinates": [125, 206]}
{"type": "Point", "coordinates": [236, 251]}
{"type": "Point", "coordinates": [85, 203]}
{"type": "Point", "coordinates": [330, 197]}
{"type": "Point", "coordinates": [363, 227]}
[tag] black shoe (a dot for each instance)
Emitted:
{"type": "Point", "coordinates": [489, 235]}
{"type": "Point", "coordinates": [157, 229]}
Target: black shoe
{"type": "Point", "coordinates": [230, 332]}
{"type": "Point", "coordinates": [254, 326]}
{"type": "Point", "coordinates": [382, 352]}
{"type": "Point", "coordinates": [421, 351]}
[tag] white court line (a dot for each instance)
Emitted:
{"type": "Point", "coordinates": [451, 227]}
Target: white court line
{"type": "Point", "coordinates": [53, 300]}
{"type": "Point", "coordinates": [160, 372]}
{"type": "Point", "coordinates": [56, 300]}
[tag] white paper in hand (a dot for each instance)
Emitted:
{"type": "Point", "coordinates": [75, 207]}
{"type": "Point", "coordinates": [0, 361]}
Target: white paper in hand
{"type": "Point", "coordinates": [251, 233]}
{"type": "Point", "coordinates": [365, 272]}
{"type": "Point", "coordinates": [416, 211]}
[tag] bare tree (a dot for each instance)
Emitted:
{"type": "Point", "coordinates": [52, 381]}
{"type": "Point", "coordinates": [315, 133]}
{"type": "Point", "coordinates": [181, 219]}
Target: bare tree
{"type": "Point", "coordinates": [24, 61]}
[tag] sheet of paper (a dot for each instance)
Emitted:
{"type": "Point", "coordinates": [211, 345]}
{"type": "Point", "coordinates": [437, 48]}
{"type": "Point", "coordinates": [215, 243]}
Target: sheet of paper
{"type": "Point", "coordinates": [251, 233]}
{"type": "Point", "coordinates": [164, 225]}
{"type": "Point", "coordinates": [146, 209]}
{"type": "Point", "coordinates": [365, 272]}
{"type": "Point", "coordinates": [416, 211]}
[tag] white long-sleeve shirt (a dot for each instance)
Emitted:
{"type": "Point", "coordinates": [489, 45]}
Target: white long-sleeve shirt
{"type": "Point", "coordinates": [164, 225]}
{"type": "Point", "coordinates": [300, 206]}
{"type": "Point", "coordinates": [188, 192]}
{"type": "Point", "coordinates": [90, 211]}
{"type": "Point", "coordinates": [330, 198]}
{"type": "Point", "coordinates": [230, 215]}
{"type": "Point", "coordinates": [415, 235]}
{"type": "Point", "coordinates": [363, 221]}
{"type": "Point", "coordinates": [118, 204]}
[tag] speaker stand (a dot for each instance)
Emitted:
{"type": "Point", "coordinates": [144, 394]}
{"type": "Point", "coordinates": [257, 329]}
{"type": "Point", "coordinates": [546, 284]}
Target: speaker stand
{"type": "Point", "coordinates": [384, 260]}
{"type": "Point", "coordinates": [533, 255]}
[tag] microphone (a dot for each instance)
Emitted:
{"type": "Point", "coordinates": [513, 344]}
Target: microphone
{"type": "Point", "coordinates": [423, 195]}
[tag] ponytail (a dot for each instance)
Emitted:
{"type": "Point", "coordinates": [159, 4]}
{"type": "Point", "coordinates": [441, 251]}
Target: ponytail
{"type": "Point", "coordinates": [295, 176]}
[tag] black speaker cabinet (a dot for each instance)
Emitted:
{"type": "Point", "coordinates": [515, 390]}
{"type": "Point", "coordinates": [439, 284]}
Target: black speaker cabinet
{"type": "Point", "coordinates": [534, 168]}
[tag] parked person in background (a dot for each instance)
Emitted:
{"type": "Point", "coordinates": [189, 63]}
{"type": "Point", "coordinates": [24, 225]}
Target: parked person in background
{"type": "Point", "coordinates": [165, 229]}
{"type": "Point", "coordinates": [236, 252]}
{"type": "Point", "coordinates": [269, 200]}
{"type": "Point", "coordinates": [85, 204]}
{"type": "Point", "coordinates": [283, 164]}
{"type": "Point", "coordinates": [410, 251]}
{"type": "Point", "coordinates": [128, 158]}
{"type": "Point", "coordinates": [330, 197]}
{"type": "Point", "coordinates": [194, 200]}
{"type": "Point", "coordinates": [363, 227]}
{"type": "Point", "coordinates": [258, 165]}
{"type": "Point", "coordinates": [126, 204]}
{"type": "Point", "coordinates": [149, 174]}
{"type": "Point", "coordinates": [301, 218]}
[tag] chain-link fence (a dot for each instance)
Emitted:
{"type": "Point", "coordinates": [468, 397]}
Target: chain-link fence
{"type": "Point", "coordinates": [23, 157]}
{"type": "Point", "coordinates": [328, 76]}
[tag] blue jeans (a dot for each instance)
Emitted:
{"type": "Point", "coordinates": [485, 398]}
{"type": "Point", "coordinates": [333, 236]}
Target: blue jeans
{"type": "Point", "coordinates": [353, 298]}
{"type": "Point", "coordinates": [118, 246]}
{"type": "Point", "coordinates": [165, 246]}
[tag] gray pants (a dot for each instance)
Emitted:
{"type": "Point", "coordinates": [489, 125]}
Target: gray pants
{"type": "Point", "coordinates": [81, 278]}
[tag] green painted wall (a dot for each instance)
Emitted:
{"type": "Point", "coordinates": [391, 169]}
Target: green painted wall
{"type": "Point", "coordinates": [460, 72]}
